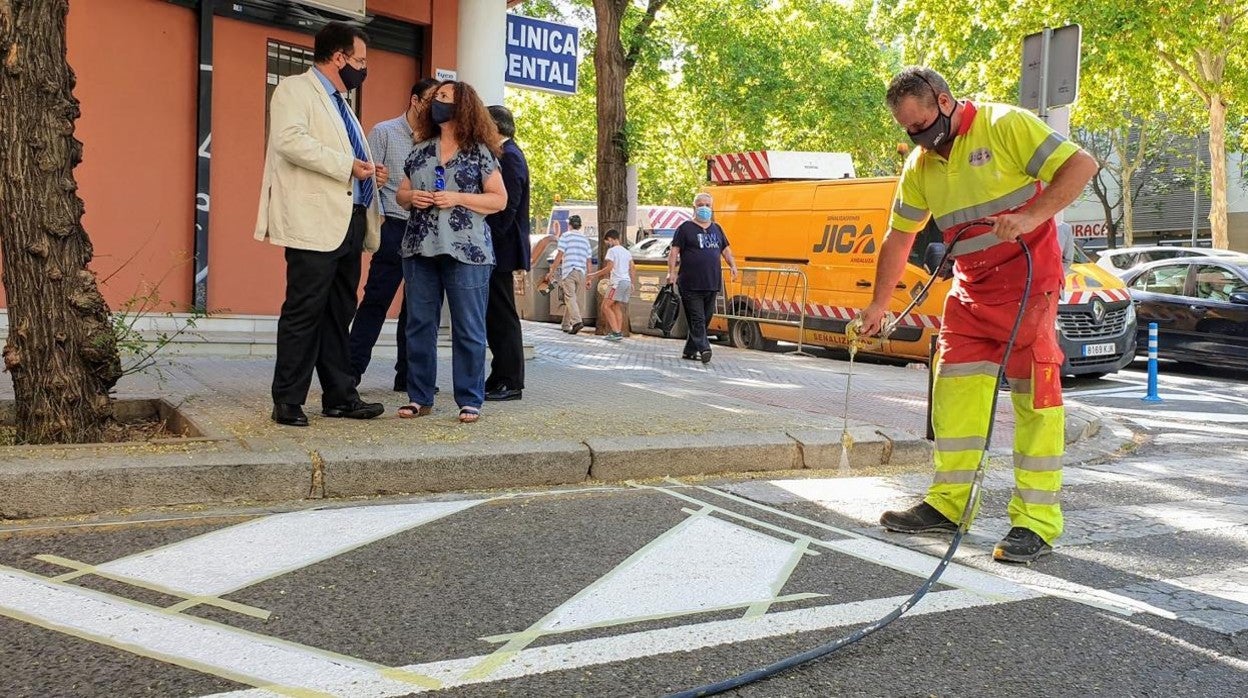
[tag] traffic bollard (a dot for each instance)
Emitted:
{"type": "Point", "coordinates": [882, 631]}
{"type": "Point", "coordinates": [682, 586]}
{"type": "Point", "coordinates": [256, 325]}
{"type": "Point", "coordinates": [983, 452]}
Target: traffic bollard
{"type": "Point", "coordinates": [1152, 364]}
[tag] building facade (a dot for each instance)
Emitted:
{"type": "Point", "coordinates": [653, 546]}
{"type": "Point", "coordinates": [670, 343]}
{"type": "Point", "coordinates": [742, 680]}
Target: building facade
{"type": "Point", "coordinates": [174, 97]}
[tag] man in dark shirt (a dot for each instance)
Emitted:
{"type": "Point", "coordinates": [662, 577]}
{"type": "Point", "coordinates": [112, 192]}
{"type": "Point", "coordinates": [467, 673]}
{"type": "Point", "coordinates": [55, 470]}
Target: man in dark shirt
{"type": "Point", "coordinates": [697, 247]}
{"type": "Point", "coordinates": [509, 230]}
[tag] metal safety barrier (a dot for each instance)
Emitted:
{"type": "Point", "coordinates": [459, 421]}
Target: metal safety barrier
{"type": "Point", "coordinates": [765, 296]}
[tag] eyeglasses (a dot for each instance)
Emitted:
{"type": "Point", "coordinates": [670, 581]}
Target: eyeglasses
{"type": "Point", "coordinates": [439, 184]}
{"type": "Point", "coordinates": [355, 61]}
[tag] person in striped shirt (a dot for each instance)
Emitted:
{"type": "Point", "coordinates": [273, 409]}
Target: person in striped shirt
{"type": "Point", "coordinates": [572, 263]}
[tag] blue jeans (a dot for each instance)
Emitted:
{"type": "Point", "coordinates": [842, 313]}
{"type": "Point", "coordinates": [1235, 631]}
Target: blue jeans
{"type": "Point", "coordinates": [466, 286]}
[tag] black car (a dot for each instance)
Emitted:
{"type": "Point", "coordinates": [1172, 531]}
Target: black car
{"type": "Point", "coordinates": [1200, 306]}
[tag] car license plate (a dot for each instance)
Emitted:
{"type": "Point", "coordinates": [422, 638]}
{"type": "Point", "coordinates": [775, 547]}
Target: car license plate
{"type": "Point", "coordinates": [1098, 349]}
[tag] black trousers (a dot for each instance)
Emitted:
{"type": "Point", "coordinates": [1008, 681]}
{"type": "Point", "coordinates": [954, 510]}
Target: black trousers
{"type": "Point", "coordinates": [385, 275]}
{"type": "Point", "coordinates": [312, 329]}
{"type": "Point", "coordinates": [502, 334]}
{"type": "Point", "coordinates": [699, 308]}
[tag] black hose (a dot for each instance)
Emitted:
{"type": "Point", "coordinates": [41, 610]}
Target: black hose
{"type": "Point", "coordinates": [964, 523]}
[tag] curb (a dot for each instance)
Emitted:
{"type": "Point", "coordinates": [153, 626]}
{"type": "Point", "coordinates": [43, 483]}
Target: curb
{"type": "Point", "coordinates": [283, 472]}
{"type": "Point", "coordinates": [34, 490]}
{"type": "Point", "coordinates": [444, 468]}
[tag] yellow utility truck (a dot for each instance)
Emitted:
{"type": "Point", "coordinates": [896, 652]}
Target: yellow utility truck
{"type": "Point", "coordinates": [806, 214]}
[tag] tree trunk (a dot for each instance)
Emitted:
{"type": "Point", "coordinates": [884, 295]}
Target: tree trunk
{"type": "Point", "coordinates": [1102, 195]}
{"type": "Point", "coordinates": [61, 350]}
{"type": "Point", "coordinates": [610, 72]}
{"type": "Point", "coordinates": [1128, 207]}
{"type": "Point", "coordinates": [1217, 172]}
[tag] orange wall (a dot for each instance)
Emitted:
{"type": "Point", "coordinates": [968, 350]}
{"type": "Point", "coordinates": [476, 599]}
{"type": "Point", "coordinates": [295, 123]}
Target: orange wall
{"type": "Point", "coordinates": [443, 36]}
{"type": "Point", "coordinates": [416, 11]}
{"type": "Point", "coordinates": [138, 132]}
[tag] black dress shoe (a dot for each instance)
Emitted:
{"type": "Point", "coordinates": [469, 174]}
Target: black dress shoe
{"type": "Point", "coordinates": [289, 415]}
{"type": "Point", "coordinates": [356, 409]}
{"type": "Point", "coordinates": [504, 394]}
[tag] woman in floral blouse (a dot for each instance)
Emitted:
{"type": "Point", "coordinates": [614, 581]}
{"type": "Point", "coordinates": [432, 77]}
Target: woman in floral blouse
{"type": "Point", "coordinates": [452, 182]}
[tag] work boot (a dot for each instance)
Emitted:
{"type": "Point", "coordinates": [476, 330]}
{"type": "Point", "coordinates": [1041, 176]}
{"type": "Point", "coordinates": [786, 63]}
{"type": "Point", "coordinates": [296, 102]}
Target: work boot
{"type": "Point", "coordinates": [1021, 545]}
{"type": "Point", "coordinates": [917, 519]}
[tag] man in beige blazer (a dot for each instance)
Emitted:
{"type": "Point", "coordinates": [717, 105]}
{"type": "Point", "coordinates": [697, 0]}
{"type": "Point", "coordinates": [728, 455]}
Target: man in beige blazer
{"type": "Point", "coordinates": [318, 199]}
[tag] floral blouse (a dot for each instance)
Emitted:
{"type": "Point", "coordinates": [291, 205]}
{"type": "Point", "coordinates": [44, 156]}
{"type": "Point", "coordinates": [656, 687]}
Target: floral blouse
{"type": "Point", "coordinates": [459, 232]}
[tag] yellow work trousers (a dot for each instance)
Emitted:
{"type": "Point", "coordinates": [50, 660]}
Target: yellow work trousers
{"type": "Point", "coordinates": [971, 349]}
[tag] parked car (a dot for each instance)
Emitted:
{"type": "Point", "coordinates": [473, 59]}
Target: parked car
{"type": "Point", "coordinates": [1200, 305]}
{"type": "Point", "coordinates": [1123, 259]}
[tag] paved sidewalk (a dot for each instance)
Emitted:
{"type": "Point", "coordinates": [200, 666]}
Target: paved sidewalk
{"type": "Point", "coordinates": [591, 410]}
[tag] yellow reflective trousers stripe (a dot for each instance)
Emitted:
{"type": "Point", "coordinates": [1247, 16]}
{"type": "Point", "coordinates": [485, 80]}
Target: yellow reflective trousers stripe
{"type": "Point", "coordinates": [962, 398]}
{"type": "Point", "coordinates": [1039, 441]}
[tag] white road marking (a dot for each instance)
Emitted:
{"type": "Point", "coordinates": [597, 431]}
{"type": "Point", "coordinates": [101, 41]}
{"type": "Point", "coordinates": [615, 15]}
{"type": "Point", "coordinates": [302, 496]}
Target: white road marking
{"type": "Point", "coordinates": [685, 638]}
{"type": "Point", "coordinates": [706, 563]}
{"type": "Point", "coordinates": [1215, 600]}
{"type": "Point", "coordinates": [232, 558]}
{"type": "Point", "coordinates": [185, 641]}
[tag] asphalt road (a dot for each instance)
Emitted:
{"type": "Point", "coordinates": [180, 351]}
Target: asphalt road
{"type": "Point", "coordinates": [645, 590]}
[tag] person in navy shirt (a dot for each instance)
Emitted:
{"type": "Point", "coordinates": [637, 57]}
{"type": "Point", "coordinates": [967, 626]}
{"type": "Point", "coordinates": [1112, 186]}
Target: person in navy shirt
{"type": "Point", "coordinates": [697, 248]}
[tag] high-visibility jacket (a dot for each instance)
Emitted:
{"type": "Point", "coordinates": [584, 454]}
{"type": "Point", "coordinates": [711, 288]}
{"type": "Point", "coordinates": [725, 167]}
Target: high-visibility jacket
{"type": "Point", "coordinates": [1000, 155]}
{"type": "Point", "coordinates": [998, 159]}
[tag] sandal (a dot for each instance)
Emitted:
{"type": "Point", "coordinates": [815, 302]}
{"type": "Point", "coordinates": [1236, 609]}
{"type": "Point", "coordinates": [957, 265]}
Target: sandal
{"type": "Point", "coordinates": [468, 415]}
{"type": "Point", "coordinates": [411, 411]}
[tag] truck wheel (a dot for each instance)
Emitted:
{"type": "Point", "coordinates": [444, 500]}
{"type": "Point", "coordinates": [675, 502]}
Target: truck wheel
{"type": "Point", "coordinates": [744, 334]}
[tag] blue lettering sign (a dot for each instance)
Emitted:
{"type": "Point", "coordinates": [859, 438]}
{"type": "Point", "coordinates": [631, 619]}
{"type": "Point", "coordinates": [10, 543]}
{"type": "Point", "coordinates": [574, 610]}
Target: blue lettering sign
{"type": "Point", "coordinates": [542, 55]}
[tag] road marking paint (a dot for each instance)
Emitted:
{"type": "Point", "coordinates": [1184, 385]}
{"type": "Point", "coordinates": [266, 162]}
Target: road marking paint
{"type": "Point", "coordinates": [232, 558]}
{"type": "Point", "coordinates": [702, 563]}
{"type": "Point", "coordinates": [800, 548]}
{"type": "Point", "coordinates": [284, 668]}
{"type": "Point", "coordinates": [685, 638]}
{"type": "Point", "coordinates": [1214, 600]}
{"type": "Point", "coordinates": [82, 569]}
{"type": "Point", "coordinates": [699, 565]}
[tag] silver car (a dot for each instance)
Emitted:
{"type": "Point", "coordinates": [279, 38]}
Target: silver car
{"type": "Point", "coordinates": [1121, 260]}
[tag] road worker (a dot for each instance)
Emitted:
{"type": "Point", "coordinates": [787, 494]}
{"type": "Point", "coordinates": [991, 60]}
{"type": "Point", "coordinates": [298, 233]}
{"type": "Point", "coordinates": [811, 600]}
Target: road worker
{"type": "Point", "coordinates": [978, 161]}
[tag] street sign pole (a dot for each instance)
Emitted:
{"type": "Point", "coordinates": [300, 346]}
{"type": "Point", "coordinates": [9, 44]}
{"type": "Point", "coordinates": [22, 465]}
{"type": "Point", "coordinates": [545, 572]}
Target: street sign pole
{"type": "Point", "coordinates": [1046, 41]}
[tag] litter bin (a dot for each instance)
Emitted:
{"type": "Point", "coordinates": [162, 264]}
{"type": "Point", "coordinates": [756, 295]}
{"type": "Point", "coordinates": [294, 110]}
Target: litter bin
{"type": "Point", "coordinates": [531, 304]}
{"type": "Point", "coordinates": [651, 278]}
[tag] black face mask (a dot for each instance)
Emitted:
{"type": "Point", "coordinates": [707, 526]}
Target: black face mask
{"type": "Point", "coordinates": [941, 131]}
{"type": "Point", "coordinates": [352, 77]}
{"type": "Point", "coordinates": [442, 112]}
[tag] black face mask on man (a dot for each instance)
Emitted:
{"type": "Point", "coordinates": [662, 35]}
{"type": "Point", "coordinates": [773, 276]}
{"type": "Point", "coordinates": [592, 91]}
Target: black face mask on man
{"type": "Point", "coordinates": [940, 131]}
{"type": "Point", "coordinates": [442, 112]}
{"type": "Point", "coordinates": [352, 77]}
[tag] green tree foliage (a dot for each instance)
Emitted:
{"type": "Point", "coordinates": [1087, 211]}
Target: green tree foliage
{"type": "Point", "coordinates": [711, 77]}
{"type": "Point", "coordinates": [1169, 67]}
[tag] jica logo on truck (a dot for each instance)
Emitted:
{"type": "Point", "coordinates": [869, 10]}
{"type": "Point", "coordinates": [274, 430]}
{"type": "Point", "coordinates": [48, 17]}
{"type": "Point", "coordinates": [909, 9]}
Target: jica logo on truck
{"type": "Point", "coordinates": [846, 238]}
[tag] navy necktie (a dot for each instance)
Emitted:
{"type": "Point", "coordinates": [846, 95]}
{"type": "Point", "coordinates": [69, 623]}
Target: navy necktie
{"type": "Point", "coordinates": [366, 185]}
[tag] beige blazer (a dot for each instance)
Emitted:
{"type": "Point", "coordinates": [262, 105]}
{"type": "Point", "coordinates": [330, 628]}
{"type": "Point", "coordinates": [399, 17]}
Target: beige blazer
{"type": "Point", "coordinates": [306, 195]}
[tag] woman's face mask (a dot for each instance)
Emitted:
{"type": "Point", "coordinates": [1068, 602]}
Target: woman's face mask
{"type": "Point", "coordinates": [442, 112]}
